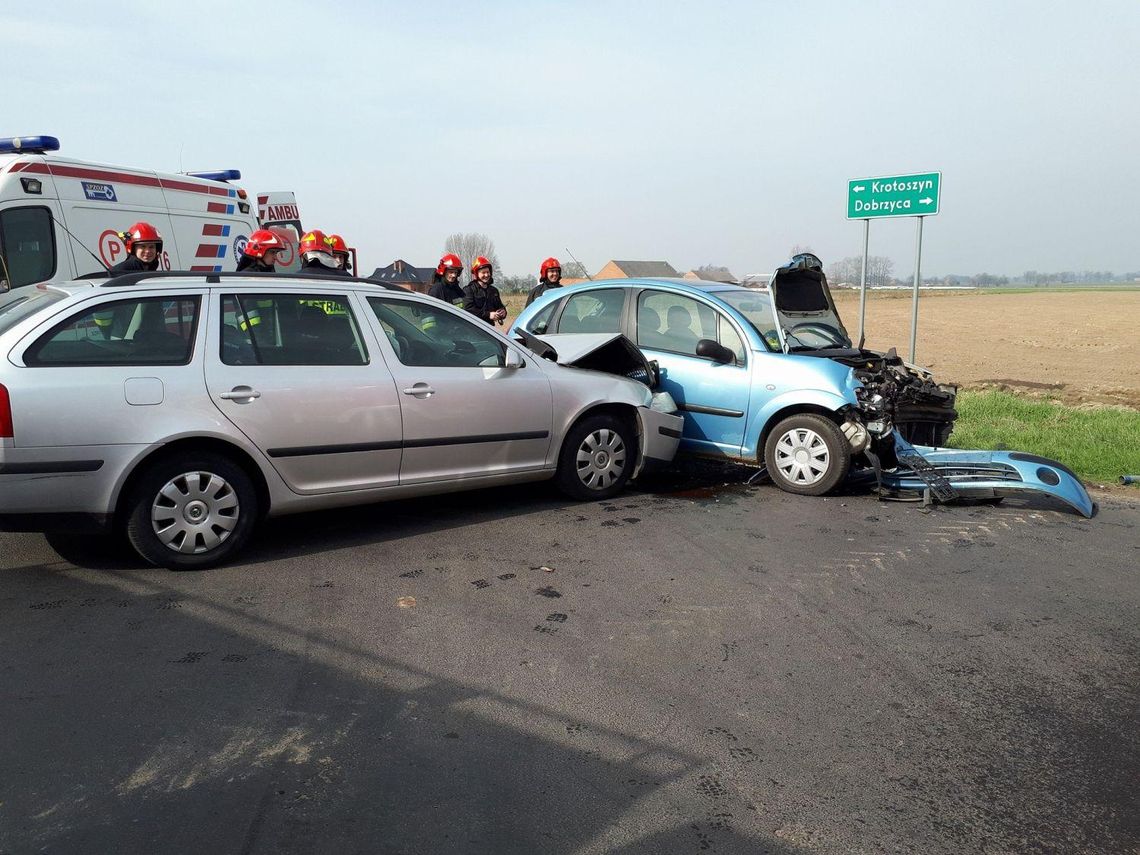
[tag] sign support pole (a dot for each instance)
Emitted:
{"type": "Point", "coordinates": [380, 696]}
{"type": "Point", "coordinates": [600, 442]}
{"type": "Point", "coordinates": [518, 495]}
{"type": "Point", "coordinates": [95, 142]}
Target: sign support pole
{"type": "Point", "coordinates": [917, 278]}
{"type": "Point", "coordinates": [863, 280]}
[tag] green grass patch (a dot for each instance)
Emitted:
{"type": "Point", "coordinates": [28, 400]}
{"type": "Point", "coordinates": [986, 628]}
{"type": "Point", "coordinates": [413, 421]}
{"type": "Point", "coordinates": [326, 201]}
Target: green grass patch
{"type": "Point", "coordinates": [1098, 444]}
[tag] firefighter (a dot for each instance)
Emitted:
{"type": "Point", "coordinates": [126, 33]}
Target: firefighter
{"type": "Point", "coordinates": [340, 253]}
{"type": "Point", "coordinates": [549, 276]}
{"type": "Point", "coordinates": [445, 283]}
{"type": "Point", "coordinates": [260, 252]}
{"type": "Point", "coordinates": [144, 245]}
{"type": "Point", "coordinates": [317, 256]}
{"type": "Point", "coordinates": [481, 298]}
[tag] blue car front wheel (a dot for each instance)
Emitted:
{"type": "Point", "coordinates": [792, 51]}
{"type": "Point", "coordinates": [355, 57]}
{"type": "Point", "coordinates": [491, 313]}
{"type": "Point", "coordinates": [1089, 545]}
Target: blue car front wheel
{"type": "Point", "coordinates": [807, 454]}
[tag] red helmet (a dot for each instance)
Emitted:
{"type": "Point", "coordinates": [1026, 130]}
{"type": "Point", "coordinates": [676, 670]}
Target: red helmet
{"type": "Point", "coordinates": [449, 260]}
{"type": "Point", "coordinates": [260, 241]}
{"type": "Point", "coordinates": [550, 263]}
{"type": "Point", "coordinates": [337, 244]}
{"type": "Point", "coordinates": [314, 241]}
{"type": "Point", "coordinates": [479, 263]}
{"type": "Point", "coordinates": [140, 233]}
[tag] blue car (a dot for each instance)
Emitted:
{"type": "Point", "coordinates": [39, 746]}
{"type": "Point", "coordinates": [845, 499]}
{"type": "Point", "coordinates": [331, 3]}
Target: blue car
{"type": "Point", "coordinates": [771, 378]}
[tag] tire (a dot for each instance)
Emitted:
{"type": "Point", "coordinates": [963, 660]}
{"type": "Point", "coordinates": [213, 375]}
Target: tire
{"type": "Point", "coordinates": [217, 508]}
{"type": "Point", "coordinates": [597, 458]}
{"type": "Point", "coordinates": [807, 455]}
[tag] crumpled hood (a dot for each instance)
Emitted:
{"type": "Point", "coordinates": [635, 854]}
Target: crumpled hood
{"type": "Point", "coordinates": [611, 353]}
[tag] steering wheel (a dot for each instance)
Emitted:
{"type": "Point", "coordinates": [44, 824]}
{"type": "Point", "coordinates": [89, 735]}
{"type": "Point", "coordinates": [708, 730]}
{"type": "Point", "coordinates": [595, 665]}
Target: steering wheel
{"type": "Point", "coordinates": [825, 331]}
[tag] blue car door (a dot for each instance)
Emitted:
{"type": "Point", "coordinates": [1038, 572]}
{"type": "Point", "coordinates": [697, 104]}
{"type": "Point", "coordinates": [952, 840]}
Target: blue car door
{"type": "Point", "coordinates": [712, 396]}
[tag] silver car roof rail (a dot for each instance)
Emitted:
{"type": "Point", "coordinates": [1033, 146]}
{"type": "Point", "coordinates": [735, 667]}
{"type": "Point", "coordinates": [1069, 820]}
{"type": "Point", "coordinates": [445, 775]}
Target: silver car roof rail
{"type": "Point", "coordinates": [125, 280]}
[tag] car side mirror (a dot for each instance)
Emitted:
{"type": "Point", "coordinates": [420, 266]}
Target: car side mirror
{"type": "Point", "coordinates": [513, 359]}
{"type": "Point", "coordinates": [710, 349]}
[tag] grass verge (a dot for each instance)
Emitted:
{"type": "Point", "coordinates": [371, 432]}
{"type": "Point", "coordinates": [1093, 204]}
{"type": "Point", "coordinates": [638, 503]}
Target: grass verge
{"type": "Point", "coordinates": [1098, 444]}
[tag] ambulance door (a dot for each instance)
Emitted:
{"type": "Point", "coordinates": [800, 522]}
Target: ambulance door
{"type": "Point", "coordinates": [99, 203]}
{"type": "Point", "coordinates": [34, 247]}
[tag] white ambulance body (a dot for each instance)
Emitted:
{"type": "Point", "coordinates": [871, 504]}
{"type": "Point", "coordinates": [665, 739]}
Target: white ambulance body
{"type": "Point", "coordinates": [59, 217]}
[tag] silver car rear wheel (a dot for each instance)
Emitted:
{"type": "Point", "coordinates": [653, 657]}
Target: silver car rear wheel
{"type": "Point", "coordinates": [191, 511]}
{"type": "Point", "coordinates": [195, 512]}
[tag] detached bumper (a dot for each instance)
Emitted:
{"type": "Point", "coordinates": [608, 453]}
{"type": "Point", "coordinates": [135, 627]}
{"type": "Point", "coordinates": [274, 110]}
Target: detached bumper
{"type": "Point", "coordinates": [660, 436]}
{"type": "Point", "coordinates": [994, 474]}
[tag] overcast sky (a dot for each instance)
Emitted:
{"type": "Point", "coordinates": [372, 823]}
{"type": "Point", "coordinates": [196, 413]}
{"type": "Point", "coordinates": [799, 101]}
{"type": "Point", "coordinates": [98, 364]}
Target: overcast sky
{"type": "Point", "coordinates": [714, 132]}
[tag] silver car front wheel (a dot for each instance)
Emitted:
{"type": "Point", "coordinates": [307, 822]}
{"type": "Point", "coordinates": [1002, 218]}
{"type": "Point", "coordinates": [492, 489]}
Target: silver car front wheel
{"type": "Point", "coordinates": [802, 457]}
{"type": "Point", "coordinates": [597, 457]}
{"type": "Point", "coordinates": [601, 459]}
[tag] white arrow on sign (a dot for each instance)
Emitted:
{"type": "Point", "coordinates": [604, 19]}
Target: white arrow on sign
{"type": "Point", "coordinates": [858, 188]}
{"type": "Point", "coordinates": [926, 201]}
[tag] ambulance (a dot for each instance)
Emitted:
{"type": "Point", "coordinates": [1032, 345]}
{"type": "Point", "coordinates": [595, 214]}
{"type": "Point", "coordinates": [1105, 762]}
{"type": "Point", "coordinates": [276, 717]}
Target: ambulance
{"type": "Point", "coordinates": [60, 218]}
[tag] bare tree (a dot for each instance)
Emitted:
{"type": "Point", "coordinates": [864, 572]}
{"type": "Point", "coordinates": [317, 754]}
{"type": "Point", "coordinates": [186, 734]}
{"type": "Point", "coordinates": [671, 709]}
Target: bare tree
{"type": "Point", "coordinates": [469, 245]}
{"type": "Point", "coordinates": [574, 270]}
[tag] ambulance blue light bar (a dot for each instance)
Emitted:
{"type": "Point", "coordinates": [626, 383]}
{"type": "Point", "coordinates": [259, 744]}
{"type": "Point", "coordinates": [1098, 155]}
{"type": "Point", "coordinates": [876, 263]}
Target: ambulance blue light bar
{"type": "Point", "coordinates": [28, 145]}
{"type": "Point", "coordinates": [219, 175]}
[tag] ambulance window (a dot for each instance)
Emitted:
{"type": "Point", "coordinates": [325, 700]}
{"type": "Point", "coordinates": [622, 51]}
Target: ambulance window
{"type": "Point", "coordinates": [27, 246]}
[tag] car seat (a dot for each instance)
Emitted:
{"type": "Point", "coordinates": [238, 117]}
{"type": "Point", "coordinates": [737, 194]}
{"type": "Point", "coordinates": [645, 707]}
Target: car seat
{"type": "Point", "coordinates": [679, 335]}
{"type": "Point", "coordinates": [648, 327]}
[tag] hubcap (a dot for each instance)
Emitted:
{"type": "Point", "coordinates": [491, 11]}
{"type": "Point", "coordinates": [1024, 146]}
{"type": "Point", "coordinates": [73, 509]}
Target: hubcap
{"type": "Point", "coordinates": [195, 512]}
{"type": "Point", "coordinates": [601, 459]}
{"type": "Point", "coordinates": [802, 457]}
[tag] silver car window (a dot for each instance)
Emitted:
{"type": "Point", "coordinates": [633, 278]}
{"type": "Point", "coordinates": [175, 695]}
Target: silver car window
{"type": "Point", "coordinates": [290, 329]}
{"type": "Point", "coordinates": [17, 305]}
{"type": "Point", "coordinates": [424, 334]}
{"type": "Point", "coordinates": [138, 331]}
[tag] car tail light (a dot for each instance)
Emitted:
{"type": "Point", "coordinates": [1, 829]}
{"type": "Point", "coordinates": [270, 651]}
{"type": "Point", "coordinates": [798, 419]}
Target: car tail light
{"type": "Point", "coordinates": [5, 413]}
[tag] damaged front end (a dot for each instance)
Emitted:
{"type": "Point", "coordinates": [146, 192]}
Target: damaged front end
{"type": "Point", "coordinates": [660, 424]}
{"type": "Point", "coordinates": [808, 324]}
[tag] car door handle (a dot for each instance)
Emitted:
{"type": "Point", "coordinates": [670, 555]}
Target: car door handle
{"type": "Point", "coordinates": [240, 393]}
{"type": "Point", "coordinates": [420, 390]}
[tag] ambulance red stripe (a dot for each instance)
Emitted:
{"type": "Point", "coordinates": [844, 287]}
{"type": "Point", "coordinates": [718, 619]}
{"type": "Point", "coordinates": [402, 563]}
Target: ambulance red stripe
{"type": "Point", "coordinates": [120, 178]}
{"type": "Point", "coordinates": [212, 230]}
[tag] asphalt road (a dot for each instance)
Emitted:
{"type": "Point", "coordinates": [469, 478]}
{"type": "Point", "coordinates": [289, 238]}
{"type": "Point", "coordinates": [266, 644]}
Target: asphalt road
{"type": "Point", "coordinates": [722, 669]}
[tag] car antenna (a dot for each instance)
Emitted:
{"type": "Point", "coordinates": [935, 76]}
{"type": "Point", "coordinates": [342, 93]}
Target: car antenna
{"type": "Point", "coordinates": [102, 263]}
{"type": "Point", "coordinates": [580, 264]}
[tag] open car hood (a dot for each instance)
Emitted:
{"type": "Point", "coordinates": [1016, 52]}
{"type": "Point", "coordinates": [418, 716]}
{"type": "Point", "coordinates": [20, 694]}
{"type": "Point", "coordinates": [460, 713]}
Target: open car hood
{"type": "Point", "coordinates": [800, 298]}
{"type": "Point", "coordinates": [611, 353]}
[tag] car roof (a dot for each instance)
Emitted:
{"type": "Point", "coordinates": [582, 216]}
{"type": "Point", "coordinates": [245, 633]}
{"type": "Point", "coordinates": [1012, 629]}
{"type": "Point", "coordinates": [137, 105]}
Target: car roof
{"type": "Point", "coordinates": [182, 278]}
{"type": "Point", "coordinates": [676, 282]}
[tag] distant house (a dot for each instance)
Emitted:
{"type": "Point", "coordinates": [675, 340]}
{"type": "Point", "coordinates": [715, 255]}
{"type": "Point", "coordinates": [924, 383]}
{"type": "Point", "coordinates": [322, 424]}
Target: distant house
{"type": "Point", "coordinates": [399, 272]}
{"type": "Point", "coordinates": [636, 270]}
{"type": "Point", "coordinates": [713, 274]}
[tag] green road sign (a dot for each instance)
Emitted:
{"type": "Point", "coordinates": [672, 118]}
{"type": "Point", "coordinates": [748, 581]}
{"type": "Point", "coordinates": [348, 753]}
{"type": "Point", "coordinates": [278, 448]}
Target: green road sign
{"type": "Point", "coordinates": [894, 196]}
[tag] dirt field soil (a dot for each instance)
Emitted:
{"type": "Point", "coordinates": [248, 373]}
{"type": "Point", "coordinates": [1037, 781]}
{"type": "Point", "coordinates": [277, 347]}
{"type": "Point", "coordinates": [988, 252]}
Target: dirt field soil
{"type": "Point", "coordinates": [1081, 347]}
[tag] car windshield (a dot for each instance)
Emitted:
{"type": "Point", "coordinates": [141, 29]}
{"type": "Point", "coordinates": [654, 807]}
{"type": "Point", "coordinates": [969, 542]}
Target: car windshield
{"type": "Point", "coordinates": [756, 306]}
{"type": "Point", "coordinates": [24, 302]}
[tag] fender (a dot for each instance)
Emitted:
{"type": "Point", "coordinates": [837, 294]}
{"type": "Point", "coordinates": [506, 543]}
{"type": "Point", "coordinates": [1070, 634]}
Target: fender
{"type": "Point", "coordinates": [797, 398]}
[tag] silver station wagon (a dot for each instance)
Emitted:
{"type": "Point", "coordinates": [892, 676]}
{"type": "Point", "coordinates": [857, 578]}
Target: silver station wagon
{"type": "Point", "coordinates": [182, 408]}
